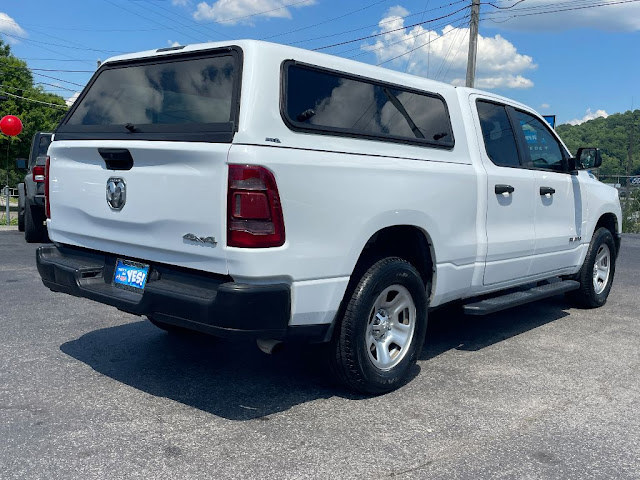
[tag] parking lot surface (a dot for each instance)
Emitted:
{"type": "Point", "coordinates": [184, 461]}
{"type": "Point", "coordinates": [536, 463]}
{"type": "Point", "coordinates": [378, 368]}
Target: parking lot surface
{"type": "Point", "coordinates": [540, 391]}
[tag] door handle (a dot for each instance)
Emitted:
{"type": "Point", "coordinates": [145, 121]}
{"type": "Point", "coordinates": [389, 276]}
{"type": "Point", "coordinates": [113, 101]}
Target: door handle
{"type": "Point", "coordinates": [547, 191]}
{"type": "Point", "coordinates": [116, 158]}
{"type": "Point", "coordinates": [500, 188]}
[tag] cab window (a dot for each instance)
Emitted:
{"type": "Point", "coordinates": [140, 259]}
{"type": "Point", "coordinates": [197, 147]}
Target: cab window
{"type": "Point", "coordinates": [542, 150]}
{"type": "Point", "coordinates": [499, 140]}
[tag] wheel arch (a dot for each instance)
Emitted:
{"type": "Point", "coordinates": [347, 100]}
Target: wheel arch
{"type": "Point", "coordinates": [609, 221]}
{"type": "Point", "coordinates": [409, 242]}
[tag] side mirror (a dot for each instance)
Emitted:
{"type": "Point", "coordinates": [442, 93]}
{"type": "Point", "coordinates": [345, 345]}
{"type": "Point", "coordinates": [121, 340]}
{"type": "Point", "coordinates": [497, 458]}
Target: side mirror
{"type": "Point", "coordinates": [587, 158]}
{"type": "Point", "coordinates": [21, 163]}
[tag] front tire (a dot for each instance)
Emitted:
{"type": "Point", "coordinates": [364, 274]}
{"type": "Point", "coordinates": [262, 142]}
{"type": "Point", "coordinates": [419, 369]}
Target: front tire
{"type": "Point", "coordinates": [598, 269]}
{"type": "Point", "coordinates": [382, 329]}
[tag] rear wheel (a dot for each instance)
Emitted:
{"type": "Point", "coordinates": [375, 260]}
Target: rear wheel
{"type": "Point", "coordinates": [34, 229]}
{"type": "Point", "coordinates": [21, 202]}
{"type": "Point", "coordinates": [598, 269]}
{"type": "Point", "coordinates": [382, 329]}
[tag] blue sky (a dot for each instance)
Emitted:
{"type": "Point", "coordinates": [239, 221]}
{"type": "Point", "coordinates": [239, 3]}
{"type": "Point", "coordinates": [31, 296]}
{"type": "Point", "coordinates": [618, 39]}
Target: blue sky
{"type": "Point", "coordinates": [575, 58]}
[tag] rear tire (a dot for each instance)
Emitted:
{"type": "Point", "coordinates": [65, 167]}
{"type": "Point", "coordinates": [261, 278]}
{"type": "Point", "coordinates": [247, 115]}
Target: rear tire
{"type": "Point", "coordinates": [598, 269]}
{"type": "Point", "coordinates": [34, 229]}
{"type": "Point", "coordinates": [382, 329]}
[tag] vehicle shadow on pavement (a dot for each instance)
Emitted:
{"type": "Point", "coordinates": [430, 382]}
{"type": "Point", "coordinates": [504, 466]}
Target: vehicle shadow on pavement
{"type": "Point", "coordinates": [234, 380]}
{"type": "Point", "coordinates": [231, 379]}
{"type": "Point", "coordinates": [450, 329]}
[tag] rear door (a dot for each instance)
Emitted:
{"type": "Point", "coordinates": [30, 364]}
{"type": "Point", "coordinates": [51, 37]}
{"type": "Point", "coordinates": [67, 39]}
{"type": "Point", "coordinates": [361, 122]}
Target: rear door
{"type": "Point", "coordinates": [138, 166]}
{"type": "Point", "coordinates": [510, 195]}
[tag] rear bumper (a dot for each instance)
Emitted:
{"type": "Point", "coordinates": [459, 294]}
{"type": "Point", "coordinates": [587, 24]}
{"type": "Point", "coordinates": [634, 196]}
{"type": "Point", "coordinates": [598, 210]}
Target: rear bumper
{"type": "Point", "coordinates": [208, 303]}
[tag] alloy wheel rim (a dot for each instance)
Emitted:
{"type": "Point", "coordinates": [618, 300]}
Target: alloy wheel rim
{"type": "Point", "coordinates": [390, 328]}
{"type": "Point", "coordinates": [601, 269]}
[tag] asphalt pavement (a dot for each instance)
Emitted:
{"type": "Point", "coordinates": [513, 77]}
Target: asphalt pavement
{"type": "Point", "coordinates": [540, 391]}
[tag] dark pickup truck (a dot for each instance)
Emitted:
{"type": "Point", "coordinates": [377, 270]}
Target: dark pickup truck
{"type": "Point", "coordinates": [31, 214]}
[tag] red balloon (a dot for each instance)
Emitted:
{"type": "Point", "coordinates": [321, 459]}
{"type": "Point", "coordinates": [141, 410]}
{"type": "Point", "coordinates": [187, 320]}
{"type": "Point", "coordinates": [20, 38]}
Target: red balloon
{"type": "Point", "coordinates": [10, 125]}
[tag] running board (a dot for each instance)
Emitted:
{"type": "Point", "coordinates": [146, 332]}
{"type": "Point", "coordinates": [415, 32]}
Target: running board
{"type": "Point", "coordinates": [502, 302]}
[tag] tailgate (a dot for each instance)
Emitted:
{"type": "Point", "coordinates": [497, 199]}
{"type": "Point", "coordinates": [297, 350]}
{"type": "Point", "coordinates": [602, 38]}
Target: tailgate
{"type": "Point", "coordinates": [138, 164]}
{"type": "Point", "coordinates": [173, 189]}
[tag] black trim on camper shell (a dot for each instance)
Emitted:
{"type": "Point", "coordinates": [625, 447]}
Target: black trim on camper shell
{"type": "Point", "coordinates": [192, 132]}
{"type": "Point", "coordinates": [319, 130]}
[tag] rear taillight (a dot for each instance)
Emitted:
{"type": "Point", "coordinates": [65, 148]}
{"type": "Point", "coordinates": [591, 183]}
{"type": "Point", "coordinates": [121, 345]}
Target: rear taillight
{"type": "Point", "coordinates": [254, 212]}
{"type": "Point", "coordinates": [38, 173]}
{"type": "Point", "coordinates": [47, 204]}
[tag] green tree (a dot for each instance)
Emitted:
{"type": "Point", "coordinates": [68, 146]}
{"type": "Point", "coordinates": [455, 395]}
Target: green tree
{"type": "Point", "coordinates": [16, 81]}
{"type": "Point", "coordinates": [612, 135]}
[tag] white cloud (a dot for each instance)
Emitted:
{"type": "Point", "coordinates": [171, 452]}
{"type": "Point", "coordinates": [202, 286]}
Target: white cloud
{"type": "Point", "coordinates": [171, 43]}
{"type": "Point", "coordinates": [69, 101]}
{"type": "Point", "coordinates": [589, 116]}
{"type": "Point", "coordinates": [613, 17]}
{"type": "Point", "coordinates": [9, 26]}
{"type": "Point", "coordinates": [443, 55]}
{"type": "Point", "coordinates": [232, 12]}
{"type": "Point", "coordinates": [545, 106]}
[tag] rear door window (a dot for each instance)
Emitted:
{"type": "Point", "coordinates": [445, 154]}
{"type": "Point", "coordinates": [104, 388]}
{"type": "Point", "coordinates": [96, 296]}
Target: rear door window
{"type": "Point", "coordinates": [498, 135]}
{"type": "Point", "coordinates": [175, 98]}
{"type": "Point", "coordinates": [331, 102]}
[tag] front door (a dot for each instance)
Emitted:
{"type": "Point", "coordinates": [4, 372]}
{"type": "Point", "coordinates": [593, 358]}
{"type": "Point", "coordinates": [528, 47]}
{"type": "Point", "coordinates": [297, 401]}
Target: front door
{"type": "Point", "coordinates": [558, 207]}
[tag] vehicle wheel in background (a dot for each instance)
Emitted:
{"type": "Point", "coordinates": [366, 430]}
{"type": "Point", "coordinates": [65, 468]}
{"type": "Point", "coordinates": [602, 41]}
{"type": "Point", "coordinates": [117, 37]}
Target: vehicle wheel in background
{"type": "Point", "coordinates": [34, 229]}
{"type": "Point", "coordinates": [21, 202]}
{"type": "Point", "coordinates": [382, 329]}
{"type": "Point", "coordinates": [598, 269]}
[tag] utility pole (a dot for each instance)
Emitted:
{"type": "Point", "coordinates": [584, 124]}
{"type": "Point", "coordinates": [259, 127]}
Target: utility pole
{"type": "Point", "coordinates": [473, 42]}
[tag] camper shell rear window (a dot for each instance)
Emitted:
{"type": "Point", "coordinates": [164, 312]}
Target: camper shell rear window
{"type": "Point", "coordinates": [178, 97]}
{"type": "Point", "coordinates": [319, 100]}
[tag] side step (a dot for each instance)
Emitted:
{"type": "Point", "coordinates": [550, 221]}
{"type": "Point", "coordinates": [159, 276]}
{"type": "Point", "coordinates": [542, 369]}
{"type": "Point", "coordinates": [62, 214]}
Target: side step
{"type": "Point", "coordinates": [513, 299]}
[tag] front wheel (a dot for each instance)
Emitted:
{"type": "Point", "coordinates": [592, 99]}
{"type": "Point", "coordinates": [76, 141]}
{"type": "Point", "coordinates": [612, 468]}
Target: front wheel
{"type": "Point", "coordinates": [382, 329]}
{"type": "Point", "coordinates": [596, 274]}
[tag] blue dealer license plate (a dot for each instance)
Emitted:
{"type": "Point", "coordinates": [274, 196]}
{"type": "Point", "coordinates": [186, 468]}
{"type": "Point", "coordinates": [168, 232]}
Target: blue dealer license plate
{"type": "Point", "coordinates": [130, 275]}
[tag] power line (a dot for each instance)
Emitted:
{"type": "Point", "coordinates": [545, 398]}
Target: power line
{"type": "Point", "coordinates": [58, 45]}
{"type": "Point", "coordinates": [376, 24]}
{"type": "Point", "coordinates": [329, 20]}
{"type": "Point", "coordinates": [502, 8]}
{"type": "Point", "coordinates": [57, 105]}
{"type": "Point", "coordinates": [57, 70]}
{"type": "Point", "coordinates": [407, 37]}
{"type": "Point", "coordinates": [423, 44]}
{"type": "Point", "coordinates": [57, 87]}
{"type": "Point", "coordinates": [291, 4]}
{"type": "Point", "coordinates": [56, 60]}
{"type": "Point", "coordinates": [531, 10]}
{"type": "Point", "coordinates": [190, 20]}
{"type": "Point", "coordinates": [149, 19]}
{"type": "Point", "coordinates": [23, 68]}
{"type": "Point", "coordinates": [393, 30]}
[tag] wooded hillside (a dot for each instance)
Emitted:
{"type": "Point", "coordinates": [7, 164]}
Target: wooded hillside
{"type": "Point", "coordinates": [612, 135]}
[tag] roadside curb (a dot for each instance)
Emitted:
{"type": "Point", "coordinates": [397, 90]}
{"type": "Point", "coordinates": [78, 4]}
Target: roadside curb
{"type": "Point", "coordinates": [8, 228]}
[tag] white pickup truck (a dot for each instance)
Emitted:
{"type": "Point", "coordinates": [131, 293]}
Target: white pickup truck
{"type": "Point", "coordinates": [255, 189]}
